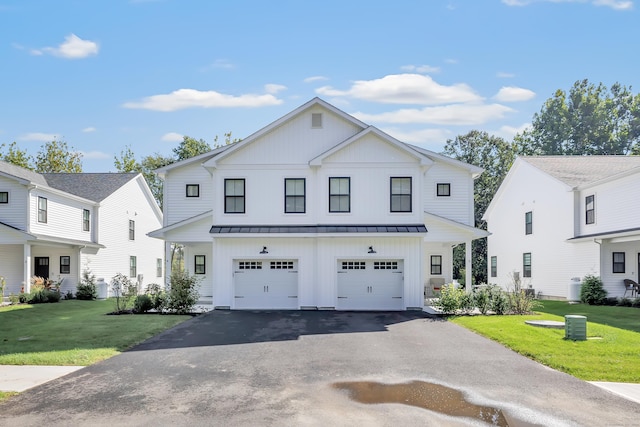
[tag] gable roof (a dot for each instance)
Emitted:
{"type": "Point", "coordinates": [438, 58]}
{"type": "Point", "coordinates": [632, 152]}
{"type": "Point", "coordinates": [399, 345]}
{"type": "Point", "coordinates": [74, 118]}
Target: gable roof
{"type": "Point", "coordinates": [90, 186]}
{"type": "Point", "coordinates": [21, 174]}
{"type": "Point", "coordinates": [578, 171]}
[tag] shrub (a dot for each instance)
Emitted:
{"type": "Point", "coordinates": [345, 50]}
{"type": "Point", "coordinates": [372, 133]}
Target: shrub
{"type": "Point", "coordinates": [42, 296]}
{"type": "Point", "coordinates": [87, 289]}
{"type": "Point", "coordinates": [499, 302]}
{"type": "Point", "coordinates": [158, 296]}
{"type": "Point", "coordinates": [624, 302]}
{"type": "Point", "coordinates": [69, 295]}
{"type": "Point", "coordinates": [124, 292]}
{"type": "Point", "coordinates": [635, 302]}
{"type": "Point", "coordinates": [14, 299]}
{"type": "Point", "coordinates": [183, 293]}
{"type": "Point", "coordinates": [482, 299]}
{"type": "Point", "coordinates": [450, 299]}
{"type": "Point", "coordinates": [592, 291]}
{"type": "Point", "coordinates": [142, 304]}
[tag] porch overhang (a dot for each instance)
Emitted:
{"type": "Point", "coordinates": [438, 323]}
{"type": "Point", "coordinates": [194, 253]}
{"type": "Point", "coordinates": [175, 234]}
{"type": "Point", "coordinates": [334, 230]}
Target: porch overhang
{"type": "Point", "coordinates": [618, 236]}
{"type": "Point", "coordinates": [317, 230]}
{"type": "Point", "coordinates": [40, 239]}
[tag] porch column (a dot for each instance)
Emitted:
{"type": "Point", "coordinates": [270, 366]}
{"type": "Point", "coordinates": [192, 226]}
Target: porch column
{"type": "Point", "coordinates": [167, 263]}
{"type": "Point", "coordinates": [27, 268]}
{"type": "Point", "coordinates": [468, 266]}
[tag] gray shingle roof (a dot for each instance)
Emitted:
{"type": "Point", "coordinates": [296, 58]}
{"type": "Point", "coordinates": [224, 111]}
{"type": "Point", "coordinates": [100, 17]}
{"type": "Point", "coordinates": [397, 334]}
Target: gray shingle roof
{"type": "Point", "coordinates": [22, 173]}
{"type": "Point", "coordinates": [580, 170]}
{"type": "Point", "coordinates": [92, 186]}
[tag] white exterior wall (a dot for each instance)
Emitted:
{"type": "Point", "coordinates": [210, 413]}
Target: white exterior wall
{"type": "Point", "coordinates": [617, 204]}
{"type": "Point", "coordinates": [64, 216]}
{"type": "Point", "coordinates": [457, 207]}
{"type": "Point", "coordinates": [14, 213]}
{"type": "Point", "coordinates": [11, 268]}
{"type": "Point", "coordinates": [127, 203]}
{"type": "Point", "coordinates": [613, 282]}
{"type": "Point", "coordinates": [69, 281]}
{"type": "Point", "coordinates": [177, 206]}
{"type": "Point", "coordinates": [206, 279]}
{"type": "Point", "coordinates": [554, 260]}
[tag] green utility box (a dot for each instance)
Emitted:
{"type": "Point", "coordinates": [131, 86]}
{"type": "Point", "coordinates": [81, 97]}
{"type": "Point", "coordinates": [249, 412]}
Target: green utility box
{"type": "Point", "coordinates": [575, 327]}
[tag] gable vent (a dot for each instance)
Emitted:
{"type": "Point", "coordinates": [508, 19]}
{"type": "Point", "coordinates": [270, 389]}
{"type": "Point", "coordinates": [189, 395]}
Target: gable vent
{"type": "Point", "coordinates": [316, 120]}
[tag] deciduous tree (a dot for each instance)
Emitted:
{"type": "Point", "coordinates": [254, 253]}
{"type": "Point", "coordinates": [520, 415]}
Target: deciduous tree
{"type": "Point", "coordinates": [15, 155]}
{"type": "Point", "coordinates": [56, 157]}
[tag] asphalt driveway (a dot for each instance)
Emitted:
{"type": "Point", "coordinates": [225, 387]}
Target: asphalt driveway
{"type": "Point", "coordinates": [281, 369]}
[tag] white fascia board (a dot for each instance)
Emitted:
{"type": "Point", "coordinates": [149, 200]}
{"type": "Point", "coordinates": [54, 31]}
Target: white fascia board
{"type": "Point", "coordinates": [159, 233]}
{"type": "Point", "coordinates": [475, 171]}
{"type": "Point", "coordinates": [476, 233]}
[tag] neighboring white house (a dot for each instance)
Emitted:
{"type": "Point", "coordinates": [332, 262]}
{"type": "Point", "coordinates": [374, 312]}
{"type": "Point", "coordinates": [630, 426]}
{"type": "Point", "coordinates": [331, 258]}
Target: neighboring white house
{"type": "Point", "coordinates": [56, 225]}
{"type": "Point", "coordinates": [319, 210]}
{"type": "Point", "coordinates": [559, 217]}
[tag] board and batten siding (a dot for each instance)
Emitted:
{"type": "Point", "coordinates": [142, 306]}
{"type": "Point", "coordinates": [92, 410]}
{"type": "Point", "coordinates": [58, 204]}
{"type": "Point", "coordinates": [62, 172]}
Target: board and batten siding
{"type": "Point", "coordinates": [205, 286]}
{"type": "Point", "coordinates": [617, 204]}
{"type": "Point", "coordinates": [459, 205]}
{"type": "Point", "coordinates": [177, 206]}
{"type": "Point", "coordinates": [295, 142]}
{"type": "Point", "coordinates": [15, 212]}
{"type": "Point", "coordinates": [64, 216]}
{"type": "Point", "coordinates": [129, 202]}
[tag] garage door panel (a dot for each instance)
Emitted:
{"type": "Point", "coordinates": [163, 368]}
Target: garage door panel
{"type": "Point", "coordinates": [370, 285]}
{"type": "Point", "coordinates": [266, 284]}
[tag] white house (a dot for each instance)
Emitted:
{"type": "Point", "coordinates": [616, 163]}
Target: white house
{"type": "Point", "coordinates": [58, 225]}
{"type": "Point", "coordinates": [319, 210]}
{"type": "Point", "coordinates": [559, 217]}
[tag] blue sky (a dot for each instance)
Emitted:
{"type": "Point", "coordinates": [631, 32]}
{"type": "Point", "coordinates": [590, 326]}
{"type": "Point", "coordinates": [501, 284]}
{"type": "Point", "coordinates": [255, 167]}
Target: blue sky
{"type": "Point", "coordinates": [102, 75]}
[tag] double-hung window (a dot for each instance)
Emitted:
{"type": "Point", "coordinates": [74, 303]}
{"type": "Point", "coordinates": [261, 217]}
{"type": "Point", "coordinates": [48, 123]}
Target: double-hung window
{"type": "Point", "coordinates": [494, 266]}
{"type": "Point", "coordinates": [436, 264]}
{"type": "Point", "coordinates": [526, 264]}
{"type": "Point", "coordinates": [401, 194]}
{"type": "Point", "coordinates": [590, 209]}
{"type": "Point", "coordinates": [133, 266]}
{"type": "Point", "coordinates": [132, 230]}
{"type": "Point", "coordinates": [86, 220]}
{"type": "Point", "coordinates": [294, 195]}
{"type": "Point", "coordinates": [42, 209]}
{"type": "Point", "coordinates": [199, 264]}
{"type": "Point", "coordinates": [65, 264]}
{"type": "Point", "coordinates": [618, 262]}
{"type": "Point", "coordinates": [528, 222]}
{"type": "Point", "coordinates": [193, 190]}
{"type": "Point", "coordinates": [234, 196]}
{"type": "Point", "coordinates": [339, 194]}
{"type": "Point", "coordinates": [4, 197]}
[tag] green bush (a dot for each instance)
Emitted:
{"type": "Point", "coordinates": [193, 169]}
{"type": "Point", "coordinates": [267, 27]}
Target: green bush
{"type": "Point", "coordinates": [69, 295]}
{"type": "Point", "coordinates": [124, 292]}
{"type": "Point", "coordinates": [158, 296]}
{"type": "Point", "coordinates": [499, 302]}
{"type": "Point", "coordinates": [482, 299]}
{"type": "Point", "coordinates": [592, 291]}
{"type": "Point", "coordinates": [636, 302]}
{"type": "Point", "coordinates": [15, 299]}
{"type": "Point", "coordinates": [450, 299]}
{"type": "Point", "coordinates": [183, 293]}
{"type": "Point", "coordinates": [142, 304]}
{"type": "Point", "coordinates": [87, 289]}
{"type": "Point", "coordinates": [42, 296]}
{"type": "Point", "coordinates": [624, 302]}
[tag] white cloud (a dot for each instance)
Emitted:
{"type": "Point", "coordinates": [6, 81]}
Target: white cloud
{"type": "Point", "coordinates": [191, 98]}
{"type": "Point", "coordinates": [73, 47]}
{"type": "Point", "coordinates": [89, 129]}
{"type": "Point", "coordinates": [94, 155]}
{"type": "Point", "coordinates": [514, 94]}
{"type": "Point", "coordinates": [38, 136]}
{"type": "Point", "coordinates": [503, 75]}
{"type": "Point", "coordinates": [456, 114]}
{"type": "Point", "coordinates": [421, 136]}
{"type": "Point", "coordinates": [172, 137]}
{"type": "Point", "coordinates": [508, 132]}
{"type": "Point", "coordinates": [274, 88]}
{"type": "Point", "coordinates": [405, 89]}
{"type": "Point", "coordinates": [315, 79]}
{"type": "Point", "coordinates": [613, 4]}
{"type": "Point", "coordinates": [420, 68]}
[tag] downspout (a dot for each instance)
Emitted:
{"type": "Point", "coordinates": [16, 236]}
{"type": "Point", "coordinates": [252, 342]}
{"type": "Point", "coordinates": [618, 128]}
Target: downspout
{"type": "Point", "coordinates": [599, 243]}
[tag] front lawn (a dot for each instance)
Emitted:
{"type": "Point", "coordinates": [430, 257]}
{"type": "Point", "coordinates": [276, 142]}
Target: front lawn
{"type": "Point", "coordinates": [610, 353]}
{"type": "Point", "coordinates": [73, 332]}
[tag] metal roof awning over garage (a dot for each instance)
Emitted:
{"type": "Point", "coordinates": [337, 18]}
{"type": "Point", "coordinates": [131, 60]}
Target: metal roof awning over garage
{"type": "Point", "coordinates": [316, 229]}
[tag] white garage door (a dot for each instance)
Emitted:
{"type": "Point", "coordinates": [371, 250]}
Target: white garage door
{"type": "Point", "coordinates": [370, 285]}
{"type": "Point", "coordinates": [266, 284]}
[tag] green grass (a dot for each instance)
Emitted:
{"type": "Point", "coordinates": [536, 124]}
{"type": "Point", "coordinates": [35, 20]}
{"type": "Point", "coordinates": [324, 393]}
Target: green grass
{"type": "Point", "coordinates": [73, 332]}
{"type": "Point", "coordinates": [610, 353]}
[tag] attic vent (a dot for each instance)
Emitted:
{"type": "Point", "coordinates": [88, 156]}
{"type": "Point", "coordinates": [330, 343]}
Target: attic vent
{"type": "Point", "coordinates": [316, 120]}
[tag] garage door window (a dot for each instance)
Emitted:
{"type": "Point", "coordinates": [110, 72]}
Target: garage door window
{"type": "Point", "coordinates": [282, 265]}
{"type": "Point", "coordinates": [353, 265]}
{"type": "Point", "coordinates": [385, 265]}
{"type": "Point", "coordinates": [250, 265]}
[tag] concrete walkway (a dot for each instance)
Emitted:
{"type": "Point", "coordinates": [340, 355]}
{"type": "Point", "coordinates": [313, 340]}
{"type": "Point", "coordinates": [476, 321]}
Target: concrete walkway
{"type": "Point", "coordinates": [23, 377]}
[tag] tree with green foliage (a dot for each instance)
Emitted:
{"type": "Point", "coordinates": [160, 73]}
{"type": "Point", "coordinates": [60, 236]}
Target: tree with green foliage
{"type": "Point", "coordinates": [127, 161]}
{"type": "Point", "coordinates": [57, 157]}
{"type": "Point", "coordinates": [589, 120]}
{"type": "Point", "coordinates": [16, 156]}
{"type": "Point", "coordinates": [495, 156]}
{"type": "Point", "coordinates": [190, 147]}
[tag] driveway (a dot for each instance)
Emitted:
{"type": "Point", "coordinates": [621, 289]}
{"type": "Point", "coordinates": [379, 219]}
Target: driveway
{"type": "Point", "coordinates": [294, 368]}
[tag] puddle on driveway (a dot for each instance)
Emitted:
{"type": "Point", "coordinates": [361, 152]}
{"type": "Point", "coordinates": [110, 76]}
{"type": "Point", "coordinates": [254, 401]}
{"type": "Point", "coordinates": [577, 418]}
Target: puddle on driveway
{"type": "Point", "coordinates": [434, 397]}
